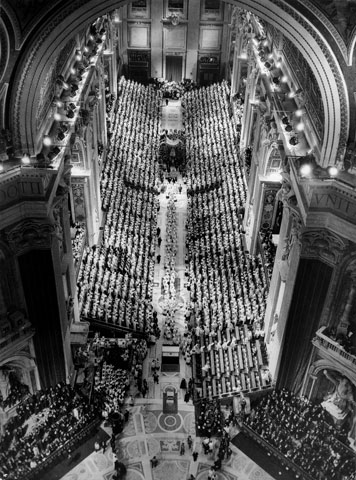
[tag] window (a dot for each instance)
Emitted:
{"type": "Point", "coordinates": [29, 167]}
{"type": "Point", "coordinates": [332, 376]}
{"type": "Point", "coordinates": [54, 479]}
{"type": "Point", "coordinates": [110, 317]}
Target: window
{"type": "Point", "coordinates": [212, 5]}
{"type": "Point", "coordinates": [175, 5]}
{"type": "Point", "coordinates": [139, 4]}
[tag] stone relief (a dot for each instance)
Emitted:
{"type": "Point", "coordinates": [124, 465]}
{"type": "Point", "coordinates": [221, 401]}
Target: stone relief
{"type": "Point", "coordinates": [28, 235]}
{"type": "Point", "coordinates": [322, 244]}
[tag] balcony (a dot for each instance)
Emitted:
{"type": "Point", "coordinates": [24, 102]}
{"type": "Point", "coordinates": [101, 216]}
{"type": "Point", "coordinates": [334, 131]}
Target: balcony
{"type": "Point", "coordinates": [25, 183]}
{"type": "Point", "coordinates": [333, 351]}
{"type": "Point", "coordinates": [14, 339]}
{"type": "Point", "coordinates": [79, 333]}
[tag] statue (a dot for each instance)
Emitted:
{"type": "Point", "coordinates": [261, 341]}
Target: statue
{"type": "Point", "coordinates": [341, 402]}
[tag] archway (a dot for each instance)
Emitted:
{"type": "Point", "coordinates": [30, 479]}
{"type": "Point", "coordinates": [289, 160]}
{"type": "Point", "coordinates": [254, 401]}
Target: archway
{"type": "Point", "coordinates": [66, 22]}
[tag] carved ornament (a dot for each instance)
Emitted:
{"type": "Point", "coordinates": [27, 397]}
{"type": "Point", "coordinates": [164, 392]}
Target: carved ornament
{"type": "Point", "coordinates": [29, 235]}
{"type": "Point", "coordinates": [324, 245]}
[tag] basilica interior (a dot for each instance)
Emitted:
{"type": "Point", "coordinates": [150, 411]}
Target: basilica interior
{"type": "Point", "coordinates": [177, 239]}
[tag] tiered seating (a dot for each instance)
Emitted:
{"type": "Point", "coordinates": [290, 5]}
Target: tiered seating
{"type": "Point", "coordinates": [298, 430]}
{"type": "Point", "coordinates": [115, 281]}
{"type": "Point", "coordinates": [78, 239]}
{"type": "Point", "coordinates": [43, 424]}
{"type": "Point", "coordinates": [228, 287]}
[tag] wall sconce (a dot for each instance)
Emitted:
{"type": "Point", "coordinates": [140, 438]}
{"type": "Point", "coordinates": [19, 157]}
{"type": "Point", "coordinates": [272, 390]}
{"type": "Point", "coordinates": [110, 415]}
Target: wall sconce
{"type": "Point", "coordinates": [47, 141]}
{"type": "Point", "coordinates": [25, 159]}
{"type": "Point", "coordinates": [333, 171]}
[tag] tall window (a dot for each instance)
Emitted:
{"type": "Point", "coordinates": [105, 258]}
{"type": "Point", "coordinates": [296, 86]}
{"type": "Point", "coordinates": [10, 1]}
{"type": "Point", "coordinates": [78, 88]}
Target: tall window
{"type": "Point", "coordinates": [139, 4]}
{"type": "Point", "coordinates": [175, 4]}
{"type": "Point", "coordinates": [212, 5]}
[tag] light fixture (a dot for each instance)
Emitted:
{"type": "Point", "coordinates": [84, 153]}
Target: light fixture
{"type": "Point", "coordinates": [65, 85]}
{"type": "Point", "coordinates": [284, 79]}
{"type": "Point", "coordinates": [73, 71]}
{"type": "Point", "coordinates": [78, 55]}
{"type": "Point", "coordinates": [57, 116]}
{"type": "Point", "coordinates": [1, 167]}
{"type": "Point", "coordinates": [25, 159]}
{"type": "Point", "coordinates": [300, 127]}
{"type": "Point", "coordinates": [265, 43]}
{"type": "Point", "coordinates": [47, 141]}
{"type": "Point", "coordinates": [275, 177]}
{"type": "Point", "coordinates": [333, 171]}
{"type": "Point", "coordinates": [299, 112]}
{"type": "Point", "coordinates": [59, 103]}
{"type": "Point", "coordinates": [305, 169]}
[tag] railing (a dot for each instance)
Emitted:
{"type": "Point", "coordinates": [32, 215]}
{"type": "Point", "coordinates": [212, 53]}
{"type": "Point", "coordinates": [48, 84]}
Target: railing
{"type": "Point", "coordinates": [12, 337]}
{"type": "Point", "coordinates": [335, 349]}
{"type": "Point", "coordinates": [60, 454]}
{"type": "Point", "coordinates": [112, 326]}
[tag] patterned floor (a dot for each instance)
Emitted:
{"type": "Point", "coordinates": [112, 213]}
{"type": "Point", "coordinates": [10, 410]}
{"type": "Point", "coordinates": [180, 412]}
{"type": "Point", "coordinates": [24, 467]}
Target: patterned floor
{"type": "Point", "coordinates": [150, 433]}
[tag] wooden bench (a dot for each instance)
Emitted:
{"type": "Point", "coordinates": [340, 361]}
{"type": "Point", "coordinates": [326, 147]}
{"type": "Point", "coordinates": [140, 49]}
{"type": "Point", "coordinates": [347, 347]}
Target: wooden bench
{"type": "Point", "coordinates": [249, 355]}
{"type": "Point", "coordinates": [259, 354]}
{"type": "Point", "coordinates": [237, 333]}
{"type": "Point", "coordinates": [243, 381]}
{"type": "Point", "coordinates": [214, 387]}
{"type": "Point", "coordinates": [212, 362]}
{"type": "Point", "coordinates": [231, 360]}
{"type": "Point", "coordinates": [223, 385]}
{"type": "Point", "coordinates": [239, 356]}
{"type": "Point", "coordinates": [222, 363]}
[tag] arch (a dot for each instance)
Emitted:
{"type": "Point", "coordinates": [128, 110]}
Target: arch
{"type": "Point", "coordinates": [67, 21]}
{"type": "Point", "coordinates": [22, 360]}
{"type": "Point", "coordinates": [324, 364]}
{"type": "Point", "coordinates": [13, 21]}
{"type": "Point", "coordinates": [4, 49]}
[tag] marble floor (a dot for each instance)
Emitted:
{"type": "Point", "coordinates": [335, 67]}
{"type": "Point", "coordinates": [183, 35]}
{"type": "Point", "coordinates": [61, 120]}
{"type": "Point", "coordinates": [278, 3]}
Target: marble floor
{"type": "Point", "coordinates": [149, 432]}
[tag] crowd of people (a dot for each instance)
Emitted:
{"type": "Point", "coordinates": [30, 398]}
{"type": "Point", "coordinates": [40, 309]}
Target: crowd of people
{"type": "Point", "coordinates": [43, 423]}
{"type": "Point", "coordinates": [78, 233]}
{"type": "Point", "coordinates": [170, 302]}
{"type": "Point", "coordinates": [269, 250]}
{"type": "Point", "coordinates": [228, 287]}
{"type": "Point", "coordinates": [298, 429]}
{"type": "Point", "coordinates": [16, 392]}
{"type": "Point", "coordinates": [115, 281]}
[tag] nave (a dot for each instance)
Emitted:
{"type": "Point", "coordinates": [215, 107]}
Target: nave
{"type": "Point", "coordinates": [149, 432]}
{"type": "Point", "coordinates": [171, 268]}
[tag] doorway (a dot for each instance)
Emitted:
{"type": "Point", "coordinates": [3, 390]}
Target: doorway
{"type": "Point", "coordinates": [174, 68]}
